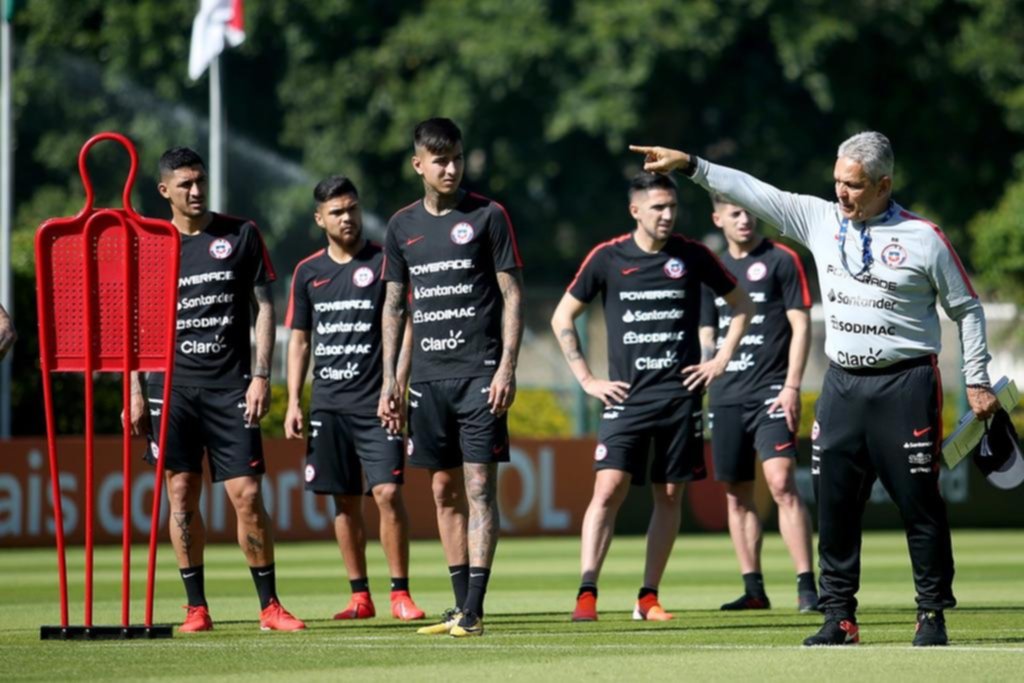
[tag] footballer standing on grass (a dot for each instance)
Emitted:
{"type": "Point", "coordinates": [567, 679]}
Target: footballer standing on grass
{"type": "Point", "coordinates": [649, 281]}
{"type": "Point", "coordinates": [755, 405]}
{"type": "Point", "coordinates": [452, 259]}
{"type": "Point", "coordinates": [219, 396]}
{"type": "Point", "coordinates": [882, 270]}
{"type": "Point", "coordinates": [334, 312]}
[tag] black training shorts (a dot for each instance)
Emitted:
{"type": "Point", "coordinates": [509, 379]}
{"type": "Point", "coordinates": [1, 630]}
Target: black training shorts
{"type": "Point", "coordinates": [737, 431]}
{"type": "Point", "coordinates": [451, 423]}
{"type": "Point", "coordinates": [210, 420]}
{"type": "Point", "coordinates": [676, 428]}
{"type": "Point", "coordinates": [343, 449]}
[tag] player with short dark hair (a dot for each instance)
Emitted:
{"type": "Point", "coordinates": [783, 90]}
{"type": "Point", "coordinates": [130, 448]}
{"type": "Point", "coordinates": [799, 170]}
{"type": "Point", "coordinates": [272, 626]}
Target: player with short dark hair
{"type": "Point", "coordinates": [452, 258]}
{"type": "Point", "coordinates": [650, 282]}
{"type": "Point", "coordinates": [883, 269]}
{"type": "Point", "coordinates": [219, 395]}
{"type": "Point", "coordinates": [755, 406]}
{"type": "Point", "coordinates": [334, 312]}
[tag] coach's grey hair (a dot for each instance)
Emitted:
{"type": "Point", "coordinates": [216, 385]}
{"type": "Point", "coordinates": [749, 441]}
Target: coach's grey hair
{"type": "Point", "coordinates": [871, 150]}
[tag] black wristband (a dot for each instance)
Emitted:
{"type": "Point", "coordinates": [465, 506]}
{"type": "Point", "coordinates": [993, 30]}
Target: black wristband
{"type": "Point", "coordinates": [987, 387]}
{"type": "Point", "coordinates": [690, 168]}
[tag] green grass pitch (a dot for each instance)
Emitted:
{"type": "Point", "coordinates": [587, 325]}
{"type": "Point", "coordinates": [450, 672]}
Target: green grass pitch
{"type": "Point", "coordinates": [529, 635]}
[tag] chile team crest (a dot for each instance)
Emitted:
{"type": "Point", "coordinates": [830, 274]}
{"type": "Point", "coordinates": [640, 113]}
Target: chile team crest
{"type": "Point", "coordinates": [675, 268]}
{"type": "Point", "coordinates": [363, 277]}
{"type": "Point", "coordinates": [462, 233]}
{"type": "Point", "coordinates": [894, 255]}
{"type": "Point", "coordinates": [220, 249]}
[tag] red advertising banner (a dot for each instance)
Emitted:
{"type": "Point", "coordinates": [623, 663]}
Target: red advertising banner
{"type": "Point", "coordinates": [544, 490]}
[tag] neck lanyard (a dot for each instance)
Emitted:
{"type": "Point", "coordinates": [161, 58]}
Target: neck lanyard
{"type": "Point", "coordinates": [865, 242]}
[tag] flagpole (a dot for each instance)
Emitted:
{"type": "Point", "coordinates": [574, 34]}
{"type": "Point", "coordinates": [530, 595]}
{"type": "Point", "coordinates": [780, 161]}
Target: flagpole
{"type": "Point", "coordinates": [6, 187]}
{"type": "Point", "coordinates": [218, 196]}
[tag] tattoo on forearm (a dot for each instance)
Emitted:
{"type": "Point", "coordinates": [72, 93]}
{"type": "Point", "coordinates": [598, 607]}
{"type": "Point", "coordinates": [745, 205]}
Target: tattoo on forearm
{"type": "Point", "coordinates": [569, 340]}
{"type": "Point", "coordinates": [511, 285]}
{"type": "Point", "coordinates": [183, 520]}
{"type": "Point", "coordinates": [135, 379]}
{"type": "Point", "coordinates": [484, 516]}
{"type": "Point", "coordinates": [265, 328]}
{"type": "Point", "coordinates": [392, 326]}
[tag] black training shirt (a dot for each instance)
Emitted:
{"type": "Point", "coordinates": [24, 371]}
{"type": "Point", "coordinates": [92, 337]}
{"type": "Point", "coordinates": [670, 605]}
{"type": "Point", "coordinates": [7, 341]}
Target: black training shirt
{"type": "Point", "coordinates": [341, 304]}
{"type": "Point", "coordinates": [651, 307]}
{"type": "Point", "coordinates": [219, 268]}
{"type": "Point", "coordinates": [774, 277]}
{"type": "Point", "coordinates": [451, 263]}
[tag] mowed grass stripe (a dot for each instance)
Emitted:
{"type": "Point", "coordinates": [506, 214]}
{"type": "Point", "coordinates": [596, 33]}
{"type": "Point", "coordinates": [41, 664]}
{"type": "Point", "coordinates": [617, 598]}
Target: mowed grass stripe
{"type": "Point", "coordinates": [529, 635]}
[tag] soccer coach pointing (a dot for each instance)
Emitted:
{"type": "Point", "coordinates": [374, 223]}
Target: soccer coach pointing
{"type": "Point", "coordinates": [881, 269]}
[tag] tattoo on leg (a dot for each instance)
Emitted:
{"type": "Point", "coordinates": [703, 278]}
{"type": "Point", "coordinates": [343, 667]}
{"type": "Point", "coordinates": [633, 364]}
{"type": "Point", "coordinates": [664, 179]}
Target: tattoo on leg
{"type": "Point", "coordinates": [253, 545]}
{"type": "Point", "coordinates": [483, 526]}
{"type": "Point", "coordinates": [184, 520]}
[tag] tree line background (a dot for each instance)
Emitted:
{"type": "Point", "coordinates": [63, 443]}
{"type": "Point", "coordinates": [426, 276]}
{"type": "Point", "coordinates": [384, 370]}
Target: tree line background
{"type": "Point", "coordinates": [548, 94]}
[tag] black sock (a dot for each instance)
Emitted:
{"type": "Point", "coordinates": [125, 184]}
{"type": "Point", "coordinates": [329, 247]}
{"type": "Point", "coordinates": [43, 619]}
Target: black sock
{"type": "Point", "coordinates": [195, 587]}
{"type": "Point", "coordinates": [266, 583]}
{"type": "Point", "coordinates": [805, 583]}
{"type": "Point", "coordinates": [478, 577]}
{"type": "Point", "coordinates": [587, 588]}
{"type": "Point", "coordinates": [460, 582]}
{"type": "Point", "coordinates": [753, 584]}
{"type": "Point", "coordinates": [361, 585]}
{"type": "Point", "coordinates": [645, 591]}
{"type": "Point", "coordinates": [399, 584]}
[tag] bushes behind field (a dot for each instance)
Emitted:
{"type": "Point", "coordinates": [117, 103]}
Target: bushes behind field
{"type": "Point", "coordinates": [536, 413]}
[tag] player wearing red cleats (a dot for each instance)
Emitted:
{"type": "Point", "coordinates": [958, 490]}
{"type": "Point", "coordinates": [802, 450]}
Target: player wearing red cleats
{"type": "Point", "coordinates": [402, 607]}
{"type": "Point", "coordinates": [586, 607]}
{"type": "Point", "coordinates": [198, 619]}
{"type": "Point", "coordinates": [649, 609]}
{"type": "Point", "coordinates": [276, 618]}
{"type": "Point", "coordinates": [360, 606]}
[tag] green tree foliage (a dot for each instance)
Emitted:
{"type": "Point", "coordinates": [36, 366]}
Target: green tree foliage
{"type": "Point", "coordinates": [991, 47]}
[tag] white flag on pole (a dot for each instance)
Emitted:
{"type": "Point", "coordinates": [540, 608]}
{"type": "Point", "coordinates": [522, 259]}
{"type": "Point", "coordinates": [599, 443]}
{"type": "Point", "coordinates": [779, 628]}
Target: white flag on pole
{"type": "Point", "coordinates": [217, 22]}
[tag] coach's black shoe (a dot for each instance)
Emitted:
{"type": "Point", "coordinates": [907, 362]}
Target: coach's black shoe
{"type": "Point", "coordinates": [931, 629]}
{"type": "Point", "coordinates": [807, 601]}
{"type": "Point", "coordinates": [748, 601]}
{"type": "Point", "coordinates": [841, 632]}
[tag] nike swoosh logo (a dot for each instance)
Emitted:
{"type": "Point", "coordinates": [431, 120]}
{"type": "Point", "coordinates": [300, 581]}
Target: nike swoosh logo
{"type": "Point", "coordinates": [188, 576]}
{"type": "Point", "coordinates": [922, 432]}
{"type": "Point", "coordinates": [473, 576]}
{"type": "Point", "coordinates": [629, 271]}
{"type": "Point", "coordinates": [320, 283]}
{"type": "Point", "coordinates": [779, 447]}
{"type": "Point", "coordinates": [455, 573]}
{"type": "Point", "coordinates": [413, 240]}
{"type": "Point", "coordinates": [264, 573]}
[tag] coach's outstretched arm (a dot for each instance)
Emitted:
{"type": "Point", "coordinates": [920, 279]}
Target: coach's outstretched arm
{"type": "Point", "coordinates": [257, 397]}
{"type": "Point", "coordinates": [563, 323]}
{"type": "Point", "coordinates": [792, 213]}
{"type": "Point", "coordinates": [392, 394]}
{"type": "Point", "coordinates": [696, 377]}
